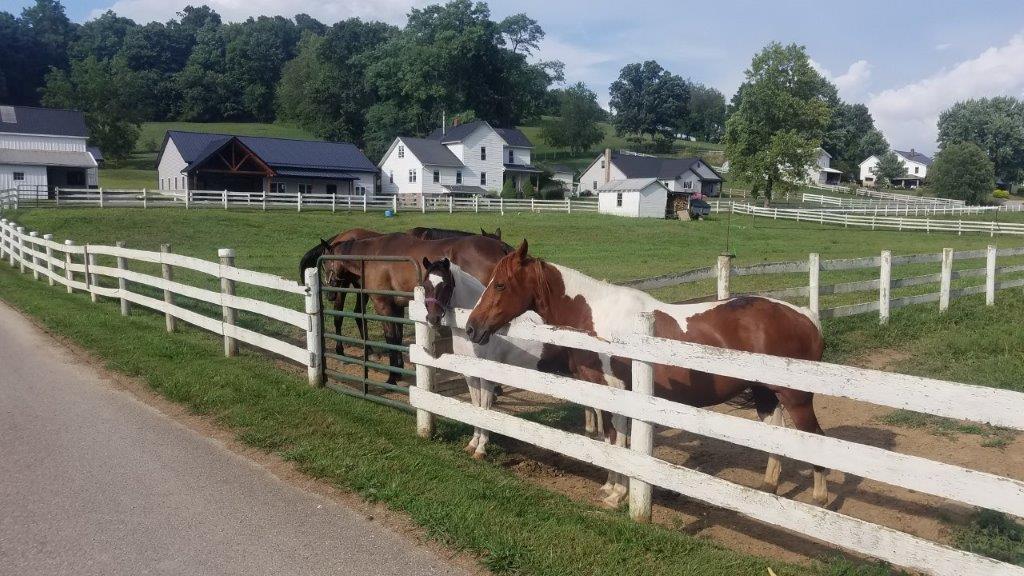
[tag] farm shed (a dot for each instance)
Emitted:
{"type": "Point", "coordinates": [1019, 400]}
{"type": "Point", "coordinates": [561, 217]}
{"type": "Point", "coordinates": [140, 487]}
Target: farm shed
{"type": "Point", "coordinates": [199, 161]}
{"type": "Point", "coordinates": [634, 197]}
{"type": "Point", "coordinates": [42, 148]}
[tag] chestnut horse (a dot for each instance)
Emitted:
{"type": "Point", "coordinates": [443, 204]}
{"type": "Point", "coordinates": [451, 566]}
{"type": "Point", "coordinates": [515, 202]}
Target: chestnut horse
{"type": "Point", "coordinates": [566, 297]}
{"type": "Point", "coordinates": [477, 255]}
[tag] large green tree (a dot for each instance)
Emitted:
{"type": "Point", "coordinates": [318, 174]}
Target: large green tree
{"type": "Point", "coordinates": [105, 91]}
{"type": "Point", "coordinates": [706, 118]}
{"type": "Point", "coordinates": [996, 125]}
{"type": "Point", "coordinates": [963, 170]}
{"type": "Point", "coordinates": [649, 101]}
{"type": "Point", "coordinates": [888, 169]}
{"type": "Point", "coordinates": [575, 127]}
{"type": "Point", "coordinates": [851, 136]}
{"type": "Point", "coordinates": [779, 121]}
{"type": "Point", "coordinates": [30, 45]}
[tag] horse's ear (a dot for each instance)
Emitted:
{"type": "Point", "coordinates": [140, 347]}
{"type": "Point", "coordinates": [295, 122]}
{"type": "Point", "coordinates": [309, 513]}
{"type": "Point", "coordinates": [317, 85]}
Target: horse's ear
{"type": "Point", "coordinates": [523, 250]}
{"type": "Point", "coordinates": [497, 233]}
{"type": "Point", "coordinates": [426, 263]}
{"type": "Point", "coordinates": [446, 263]}
{"type": "Point", "coordinates": [324, 242]}
{"type": "Point", "coordinates": [483, 232]}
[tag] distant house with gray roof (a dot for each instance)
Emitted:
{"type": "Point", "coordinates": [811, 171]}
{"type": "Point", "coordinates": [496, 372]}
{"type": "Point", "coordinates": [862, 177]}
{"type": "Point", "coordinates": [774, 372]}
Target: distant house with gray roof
{"type": "Point", "coordinates": [201, 161]}
{"type": "Point", "coordinates": [465, 159]}
{"type": "Point", "coordinates": [917, 165]}
{"type": "Point", "coordinates": [678, 175]}
{"type": "Point", "coordinates": [44, 148]}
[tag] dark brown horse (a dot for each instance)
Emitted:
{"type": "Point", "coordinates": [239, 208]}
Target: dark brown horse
{"type": "Point", "coordinates": [565, 297]}
{"type": "Point", "coordinates": [477, 255]}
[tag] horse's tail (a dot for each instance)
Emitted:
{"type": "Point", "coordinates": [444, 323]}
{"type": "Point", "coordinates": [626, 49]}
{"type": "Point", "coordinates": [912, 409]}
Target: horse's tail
{"type": "Point", "coordinates": [309, 259]}
{"type": "Point", "coordinates": [759, 397]}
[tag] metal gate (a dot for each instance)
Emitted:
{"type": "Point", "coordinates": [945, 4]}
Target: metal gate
{"type": "Point", "coordinates": [352, 374]}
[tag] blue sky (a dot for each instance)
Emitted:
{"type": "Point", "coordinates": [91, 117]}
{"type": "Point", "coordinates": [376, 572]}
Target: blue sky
{"type": "Point", "coordinates": [907, 60]}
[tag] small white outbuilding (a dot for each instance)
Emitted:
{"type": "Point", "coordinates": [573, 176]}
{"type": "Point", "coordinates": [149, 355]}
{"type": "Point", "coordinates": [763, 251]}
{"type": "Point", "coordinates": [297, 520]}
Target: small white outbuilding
{"type": "Point", "coordinates": [634, 197]}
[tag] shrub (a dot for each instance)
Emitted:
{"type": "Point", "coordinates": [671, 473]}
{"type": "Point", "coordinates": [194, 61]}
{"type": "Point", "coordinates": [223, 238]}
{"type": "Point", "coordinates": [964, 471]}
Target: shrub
{"type": "Point", "coordinates": [963, 171]}
{"type": "Point", "coordinates": [508, 189]}
{"type": "Point", "coordinates": [1001, 194]}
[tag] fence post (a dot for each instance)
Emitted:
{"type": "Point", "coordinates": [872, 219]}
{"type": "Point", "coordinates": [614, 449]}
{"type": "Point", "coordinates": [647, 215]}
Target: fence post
{"type": "Point", "coordinates": [122, 284]}
{"type": "Point", "coordinates": [227, 288]}
{"type": "Point", "coordinates": [813, 284]}
{"type": "Point", "coordinates": [724, 271]}
{"type": "Point", "coordinates": [264, 201]}
{"type": "Point", "coordinates": [641, 432]}
{"type": "Point", "coordinates": [990, 276]}
{"type": "Point", "coordinates": [476, 203]}
{"type": "Point", "coordinates": [314, 338]}
{"type": "Point", "coordinates": [423, 203]}
{"type": "Point", "coordinates": [533, 207]}
{"type": "Point", "coordinates": [946, 279]}
{"type": "Point", "coordinates": [425, 335]}
{"type": "Point", "coordinates": [188, 194]}
{"type": "Point", "coordinates": [68, 274]}
{"type": "Point", "coordinates": [90, 278]}
{"type": "Point", "coordinates": [884, 286]}
{"type": "Point", "coordinates": [56, 196]}
{"type": "Point", "coordinates": [3, 237]}
{"type": "Point", "coordinates": [568, 206]}
{"type": "Point", "coordinates": [224, 197]}
{"type": "Point", "coordinates": [451, 205]}
{"type": "Point", "coordinates": [101, 197]}
{"type": "Point", "coordinates": [49, 259]}
{"type": "Point", "coordinates": [298, 201]}
{"type": "Point", "coordinates": [364, 202]}
{"type": "Point", "coordinates": [501, 205]}
{"type": "Point", "coordinates": [21, 249]}
{"type": "Point", "coordinates": [168, 274]}
{"type": "Point", "coordinates": [35, 261]}
{"type": "Point", "coordinates": [334, 203]}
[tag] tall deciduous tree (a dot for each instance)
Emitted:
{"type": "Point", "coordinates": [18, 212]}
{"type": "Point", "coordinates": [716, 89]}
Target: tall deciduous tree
{"type": "Point", "coordinates": [888, 169]}
{"type": "Point", "coordinates": [851, 136]}
{"type": "Point", "coordinates": [779, 122]}
{"type": "Point", "coordinates": [575, 127]}
{"type": "Point", "coordinates": [996, 125]}
{"type": "Point", "coordinates": [521, 33]}
{"type": "Point", "coordinates": [706, 118]}
{"type": "Point", "coordinates": [963, 170]}
{"type": "Point", "coordinates": [649, 101]}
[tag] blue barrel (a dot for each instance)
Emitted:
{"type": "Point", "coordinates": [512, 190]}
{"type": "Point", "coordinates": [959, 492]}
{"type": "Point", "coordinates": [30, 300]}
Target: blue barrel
{"type": "Point", "coordinates": [388, 213]}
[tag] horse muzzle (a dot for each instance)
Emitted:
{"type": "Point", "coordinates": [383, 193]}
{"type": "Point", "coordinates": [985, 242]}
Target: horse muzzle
{"type": "Point", "coordinates": [477, 335]}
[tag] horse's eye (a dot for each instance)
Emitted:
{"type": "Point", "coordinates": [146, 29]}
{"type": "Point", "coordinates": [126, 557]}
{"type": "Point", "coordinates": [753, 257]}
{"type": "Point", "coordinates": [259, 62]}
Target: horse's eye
{"type": "Point", "coordinates": [499, 287]}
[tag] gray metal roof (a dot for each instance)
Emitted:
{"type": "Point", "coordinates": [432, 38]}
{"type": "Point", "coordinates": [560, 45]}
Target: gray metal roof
{"type": "Point", "coordinates": [511, 136]}
{"type": "Point", "coordinates": [915, 156]}
{"type": "Point", "coordinates": [47, 158]}
{"type": "Point", "coordinates": [321, 174]}
{"type": "Point", "coordinates": [431, 152]}
{"type": "Point", "coordinates": [49, 121]}
{"type": "Point", "coordinates": [522, 168]}
{"type": "Point", "coordinates": [630, 185]}
{"type": "Point", "coordinates": [464, 189]}
{"type": "Point", "coordinates": [636, 166]}
{"type": "Point", "coordinates": [514, 137]}
{"type": "Point", "coordinates": [278, 153]}
{"type": "Point", "coordinates": [96, 152]}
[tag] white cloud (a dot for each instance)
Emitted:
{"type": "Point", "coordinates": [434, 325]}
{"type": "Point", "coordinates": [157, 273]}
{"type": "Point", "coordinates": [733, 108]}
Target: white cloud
{"type": "Point", "coordinates": [327, 11]}
{"type": "Point", "coordinates": [852, 83]}
{"type": "Point", "coordinates": [907, 115]}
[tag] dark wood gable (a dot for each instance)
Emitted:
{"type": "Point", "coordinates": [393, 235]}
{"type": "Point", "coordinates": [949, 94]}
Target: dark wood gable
{"type": "Point", "coordinates": [234, 158]}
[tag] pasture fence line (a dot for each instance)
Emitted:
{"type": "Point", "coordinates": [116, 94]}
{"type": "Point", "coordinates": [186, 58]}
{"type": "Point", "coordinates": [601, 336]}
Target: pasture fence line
{"type": "Point", "coordinates": [948, 399]}
{"type": "Point", "coordinates": [994, 275]}
{"type": "Point", "coordinates": [874, 221]}
{"type": "Point", "coordinates": [82, 268]}
{"type": "Point", "coordinates": [298, 201]}
{"type": "Point", "coordinates": [887, 207]}
{"type": "Point", "coordinates": [890, 196]}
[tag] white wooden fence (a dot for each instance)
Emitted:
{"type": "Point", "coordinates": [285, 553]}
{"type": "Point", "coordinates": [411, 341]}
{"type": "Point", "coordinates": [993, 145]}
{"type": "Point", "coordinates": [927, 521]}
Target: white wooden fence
{"type": "Point", "coordinates": [227, 199]}
{"type": "Point", "coordinates": [949, 399]}
{"type": "Point", "coordinates": [889, 207]}
{"type": "Point", "coordinates": [994, 276]}
{"type": "Point", "coordinates": [77, 267]}
{"type": "Point", "coordinates": [889, 196]}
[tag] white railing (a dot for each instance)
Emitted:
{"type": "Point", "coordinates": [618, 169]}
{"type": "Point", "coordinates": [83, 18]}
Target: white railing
{"type": "Point", "coordinates": [79, 267]}
{"type": "Point", "coordinates": [888, 207]}
{"type": "Point", "coordinates": [948, 399]}
{"type": "Point", "coordinates": [996, 278]}
{"type": "Point", "coordinates": [910, 198]}
{"type": "Point", "coordinates": [876, 220]}
{"type": "Point", "coordinates": [227, 199]}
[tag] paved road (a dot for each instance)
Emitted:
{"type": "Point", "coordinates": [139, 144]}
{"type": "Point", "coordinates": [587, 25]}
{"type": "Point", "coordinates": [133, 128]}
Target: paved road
{"type": "Point", "coordinates": [93, 481]}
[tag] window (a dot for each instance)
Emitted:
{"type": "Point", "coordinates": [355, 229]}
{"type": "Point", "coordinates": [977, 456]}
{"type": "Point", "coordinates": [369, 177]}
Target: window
{"type": "Point", "coordinates": [688, 185]}
{"type": "Point", "coordinates": [458, 177]}
{"type": "Point", "coordinates": [360, 190]}
{"type": "Point", "coordinates": [391, 177]}
{"type": "Point", "coordinates": [602, 164]}
{"type": "Point", "coordinates": [483, 178]}
{"type": "Point", "coordinates": [305, 188]}
{"type": "Point", "coordinates": [332, 189]}
{"type": "Point", "coordinates": [19, 175]}
{"type": "Point", "coordinates": [483, 152]}
{"type": "Point", "coordinates": [618, 199]}
{"type": "Point", "coordinates": [412, 175]}
{"type": "Point", "coordinates": [511, 156]}
{"type": "Point", "coordinates": [595, 184]}
{"type": "Point", "coordinates": [278, 187]}
{"type": "Point", "coordinates": [437, 176]}
{"type": "Point", "coordinates": [401, 151]}
{"type": "Point", "coordinates": [916, 168]}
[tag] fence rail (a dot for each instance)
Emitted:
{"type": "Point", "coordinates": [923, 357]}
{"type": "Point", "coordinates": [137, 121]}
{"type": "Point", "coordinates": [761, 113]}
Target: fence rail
{"type": "Point", "coordinates": [909, 392]}
{"type": "Point", "coordinates": [77, 267]}
{"type": "Point", "coordinates": [227, 199]}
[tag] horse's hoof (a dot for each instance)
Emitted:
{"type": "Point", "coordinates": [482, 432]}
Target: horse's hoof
{"type": "Point", "coordinates": [470, 448]}
{"type": "Point", "coordinates": [821, 499]}
{"type": "Point", "coordinates": [611, 502]}
{"type": "Point", "coordinates": [479, 455]}
{"type": "Point", "coordinates": [770, 488]}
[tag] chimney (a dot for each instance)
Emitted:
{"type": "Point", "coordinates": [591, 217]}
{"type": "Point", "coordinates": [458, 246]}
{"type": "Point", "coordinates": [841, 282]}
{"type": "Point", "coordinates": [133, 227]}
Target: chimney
{"type": "Point", "coordinates": [443, 122]}
{"type": "Point", "coordinates": [607, 164]}
{"type": "Point", "coordinates": [455, 121]}
{"type": "Point", "coordinates": [912, 152]}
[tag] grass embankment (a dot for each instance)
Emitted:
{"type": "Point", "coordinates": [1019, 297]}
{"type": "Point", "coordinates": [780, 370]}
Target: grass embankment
{"type": "Point", "coordinates": [513, 526]}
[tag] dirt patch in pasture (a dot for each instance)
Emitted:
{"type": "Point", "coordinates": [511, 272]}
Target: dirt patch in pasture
{"type": "Point", "coordinates": [922, 515]}
{"type": "Point", "coordinates": [880, 358]}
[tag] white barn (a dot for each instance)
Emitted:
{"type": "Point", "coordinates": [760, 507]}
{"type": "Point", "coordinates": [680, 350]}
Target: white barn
{"type": "Point", "coordinates": [200, 161]}
{"type": "Point", "coordinates": [634, 197]}
{"type": "Point", "coordinates": [44, 148]}
{"type": "Point", "coordinates": [917, 165]}
{"type": "Point", "coordinates": [472, 158]}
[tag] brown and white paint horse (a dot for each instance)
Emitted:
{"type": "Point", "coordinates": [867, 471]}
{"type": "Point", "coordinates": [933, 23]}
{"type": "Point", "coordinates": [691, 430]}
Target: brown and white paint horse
{"type": "Point", "coordinates": [566, 297]}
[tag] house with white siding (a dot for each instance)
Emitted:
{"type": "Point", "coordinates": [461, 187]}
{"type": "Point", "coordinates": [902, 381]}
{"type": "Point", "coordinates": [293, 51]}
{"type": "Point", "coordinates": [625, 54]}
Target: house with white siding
{"type": "Point", "coordinates": [633, 197]}
{"type": "Point", "coordinates": [44, 148]}
{"type": "Point", "coordinates": [200, 161]}
{"type": "Point", "coordinates": [465, 159]}
{"type": "Point", "coordinates": [917, 165]}
{"type": "Point", "coordinates": [821, 172]}
{"type": "Point", "coordinates": [684, 176]}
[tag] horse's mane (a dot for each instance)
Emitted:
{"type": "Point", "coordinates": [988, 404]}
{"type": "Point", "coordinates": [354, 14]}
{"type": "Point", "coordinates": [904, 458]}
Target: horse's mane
{"type": "Point", "coordinates": [309, 260]}
{"type": "Point", "coordinates": [424, 233]}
